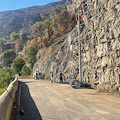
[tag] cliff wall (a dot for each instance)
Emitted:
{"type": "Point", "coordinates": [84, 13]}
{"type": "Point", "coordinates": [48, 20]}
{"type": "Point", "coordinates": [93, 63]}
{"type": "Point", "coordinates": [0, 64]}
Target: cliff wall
{"type": "Point", "coordinates": [100, 45]}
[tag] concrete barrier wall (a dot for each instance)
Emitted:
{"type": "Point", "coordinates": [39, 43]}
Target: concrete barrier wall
{"type": "Point", "coordinates": [6, 100]}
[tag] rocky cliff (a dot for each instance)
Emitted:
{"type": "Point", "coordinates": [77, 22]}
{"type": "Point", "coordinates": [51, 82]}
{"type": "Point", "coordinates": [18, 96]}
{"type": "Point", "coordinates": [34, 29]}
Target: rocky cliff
{"type": "Point", "coordinates": [100, 46]}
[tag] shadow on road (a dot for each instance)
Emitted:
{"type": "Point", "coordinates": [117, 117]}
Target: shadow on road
{"type": "Point", "coordinates": [28, 105]}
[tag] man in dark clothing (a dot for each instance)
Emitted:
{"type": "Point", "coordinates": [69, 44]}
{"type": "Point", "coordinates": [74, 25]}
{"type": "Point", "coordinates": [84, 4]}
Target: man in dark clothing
{"type": "Point", "coordinates": [51, 77]}
{"type": "Point", "coordinates": [61, 79]}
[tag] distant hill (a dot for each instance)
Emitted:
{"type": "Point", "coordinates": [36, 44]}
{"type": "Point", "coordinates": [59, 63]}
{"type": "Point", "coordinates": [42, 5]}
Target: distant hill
{"type": "Point", "coordinates": [15, 20]}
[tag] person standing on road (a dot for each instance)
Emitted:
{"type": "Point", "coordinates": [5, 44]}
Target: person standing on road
{"type": "Point", "coordinates": [34, 75]}
{"type": "Point", "coordinates": [51, 77]}
{"type": "Point", "coordinates": [61, 78]}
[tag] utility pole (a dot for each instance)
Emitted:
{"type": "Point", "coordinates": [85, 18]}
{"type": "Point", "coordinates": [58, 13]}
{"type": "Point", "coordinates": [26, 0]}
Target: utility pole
{"type": "Point", "coordinates": [80, 76]}
{"type": "Point", "coordinates": [40, 69]}
{"type": "Point", "coordinates": [79, 50]}
{"type": "Point", "coordinates": [40, 56]}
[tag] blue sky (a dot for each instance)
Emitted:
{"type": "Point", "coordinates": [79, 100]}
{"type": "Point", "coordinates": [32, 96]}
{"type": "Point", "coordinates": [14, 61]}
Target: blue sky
{"type": "Point", "coordinates": [17, 4]}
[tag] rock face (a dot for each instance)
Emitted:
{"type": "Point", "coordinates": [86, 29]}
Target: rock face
{"type": "Point", "coordinates": [54, 58]}
{"type": "Point", "coordinates": [100, 46]}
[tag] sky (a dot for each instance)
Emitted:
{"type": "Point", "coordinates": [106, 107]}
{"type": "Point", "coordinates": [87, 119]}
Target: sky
{"type": "Point", "coordinates": [17, 4]}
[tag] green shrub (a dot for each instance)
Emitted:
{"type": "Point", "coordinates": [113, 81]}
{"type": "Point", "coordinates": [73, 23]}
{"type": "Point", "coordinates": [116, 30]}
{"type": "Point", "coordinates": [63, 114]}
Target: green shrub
{"type": "Point", "coordinates": [18, 63]}
{"type": "Point", "coordinates": [117, 88]}
{"type": "Point", "coordinates": [31, 55]}
{"type": "Point", "coordinates": [74, 57]}
{"type": "Point", "coordinates": [104, 82]}
{"type": "Point", "coordinates": [25, 71]}
{"type": "Point", "coordinates": [8, 57]}
{"type": "Point", "coordinates": [6, 76]}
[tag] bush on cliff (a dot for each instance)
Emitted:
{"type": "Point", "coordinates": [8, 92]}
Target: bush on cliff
{"type": "Point", "coordinates": [31, 55]}
{"type": "Point", "coordinates": [18, 63]}
{"type": "Point", "coordinates": [8, 57]}
{"type": "Point", "coordinates": [6, 76]}
{"type": "Point", "coordinates": [25, 71]}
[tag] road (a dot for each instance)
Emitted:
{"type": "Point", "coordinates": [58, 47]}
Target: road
{"type": "Point", "coordinates": [43, 100]}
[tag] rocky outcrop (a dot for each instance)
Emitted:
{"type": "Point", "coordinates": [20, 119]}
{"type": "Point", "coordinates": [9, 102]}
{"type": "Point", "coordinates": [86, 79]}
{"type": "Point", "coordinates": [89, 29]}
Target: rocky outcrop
{"type": "Point", "coordinates": [54, 58]}
{"type": "Point", "coordinates": [100, 46]}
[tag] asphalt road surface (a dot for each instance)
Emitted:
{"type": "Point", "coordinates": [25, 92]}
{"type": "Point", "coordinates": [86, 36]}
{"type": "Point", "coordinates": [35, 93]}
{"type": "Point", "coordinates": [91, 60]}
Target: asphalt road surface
{"type": "Point", "coordinates": [43, 100]}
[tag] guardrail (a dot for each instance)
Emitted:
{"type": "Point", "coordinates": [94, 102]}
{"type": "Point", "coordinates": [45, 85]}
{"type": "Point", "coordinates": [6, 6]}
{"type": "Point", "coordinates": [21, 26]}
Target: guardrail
{"type": "Point", "coordinates": [7, 99]}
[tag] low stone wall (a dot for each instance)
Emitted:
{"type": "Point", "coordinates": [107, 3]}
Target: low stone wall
{"type": "Point", "coordinates": [7, 99]}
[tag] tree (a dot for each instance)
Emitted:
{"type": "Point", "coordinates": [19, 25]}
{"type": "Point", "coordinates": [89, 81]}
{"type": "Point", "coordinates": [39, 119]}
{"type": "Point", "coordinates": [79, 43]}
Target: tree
{"type": "Point", "coordinates": [48, 25]}
{"type": "Point", "coordinates": [31, 55]}
{"type": "Point", "coordinates": [25, 71]}
{"type": "Point", "coordinates": [55, 12]}
{"type": "Point", "coordinates": [18, 46]}
{"type": "Point", "coordinates": [2, 42]}
{"type": "Point", "coordinates": [63, 19]}
{"type": "Point", "coordinates": [18, 63]}
{"type": "Point", "coordinates": [44, 15]}
{"type": "Point", "coordinates": [24, 53]}
{"type": "Point", "coordinates": [38, 30]}
{"type": "Point", "coordinates": [32, 42]}
{"type": "Point", "coordinates": [14, 36]}
{"type": "Point", "coordinates": [6, 76]}
{"type": "Point", "coordinates": [8, 57]}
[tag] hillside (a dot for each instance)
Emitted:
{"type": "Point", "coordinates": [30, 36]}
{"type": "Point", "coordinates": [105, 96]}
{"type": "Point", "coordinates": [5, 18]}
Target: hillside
{"type": "Point", "coordinates": [100, 47]}
{"type": "Point", "coordinates": [16, 20]}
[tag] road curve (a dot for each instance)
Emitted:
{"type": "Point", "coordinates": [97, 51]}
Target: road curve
{"type": "Point", "coordinates": [43, 100]}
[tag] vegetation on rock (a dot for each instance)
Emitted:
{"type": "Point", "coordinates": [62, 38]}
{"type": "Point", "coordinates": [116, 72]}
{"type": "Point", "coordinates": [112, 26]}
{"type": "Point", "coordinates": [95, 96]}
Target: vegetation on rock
{"type": "Point", "coordinates": [25, 71]}
{"type": "Point", "coordinates": [18, 63]}
{"type": "Point", "coordinates": [31, 55]}
{"type": "Point", "coordinates": [6, 76]}
{"type": "Point", "coordinates": [8, 57]}
{"type": "Point", "coordinates": [14, 36]}
{"type": "Point", "coordinates": [2, 42]}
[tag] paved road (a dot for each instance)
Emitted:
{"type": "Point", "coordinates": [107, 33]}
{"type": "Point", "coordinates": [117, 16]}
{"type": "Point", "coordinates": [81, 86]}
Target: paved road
{"type": "Point", "coordinates": [42, 100]}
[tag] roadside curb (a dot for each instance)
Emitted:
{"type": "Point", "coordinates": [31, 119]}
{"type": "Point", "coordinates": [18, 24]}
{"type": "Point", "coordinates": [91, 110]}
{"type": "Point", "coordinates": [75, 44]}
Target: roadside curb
{"type": "Point", "coordinates": [7, 99]}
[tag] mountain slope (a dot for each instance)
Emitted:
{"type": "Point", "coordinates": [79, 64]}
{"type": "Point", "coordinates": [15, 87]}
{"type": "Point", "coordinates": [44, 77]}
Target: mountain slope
{"type": "Point", "coordinates": [15, 20]}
